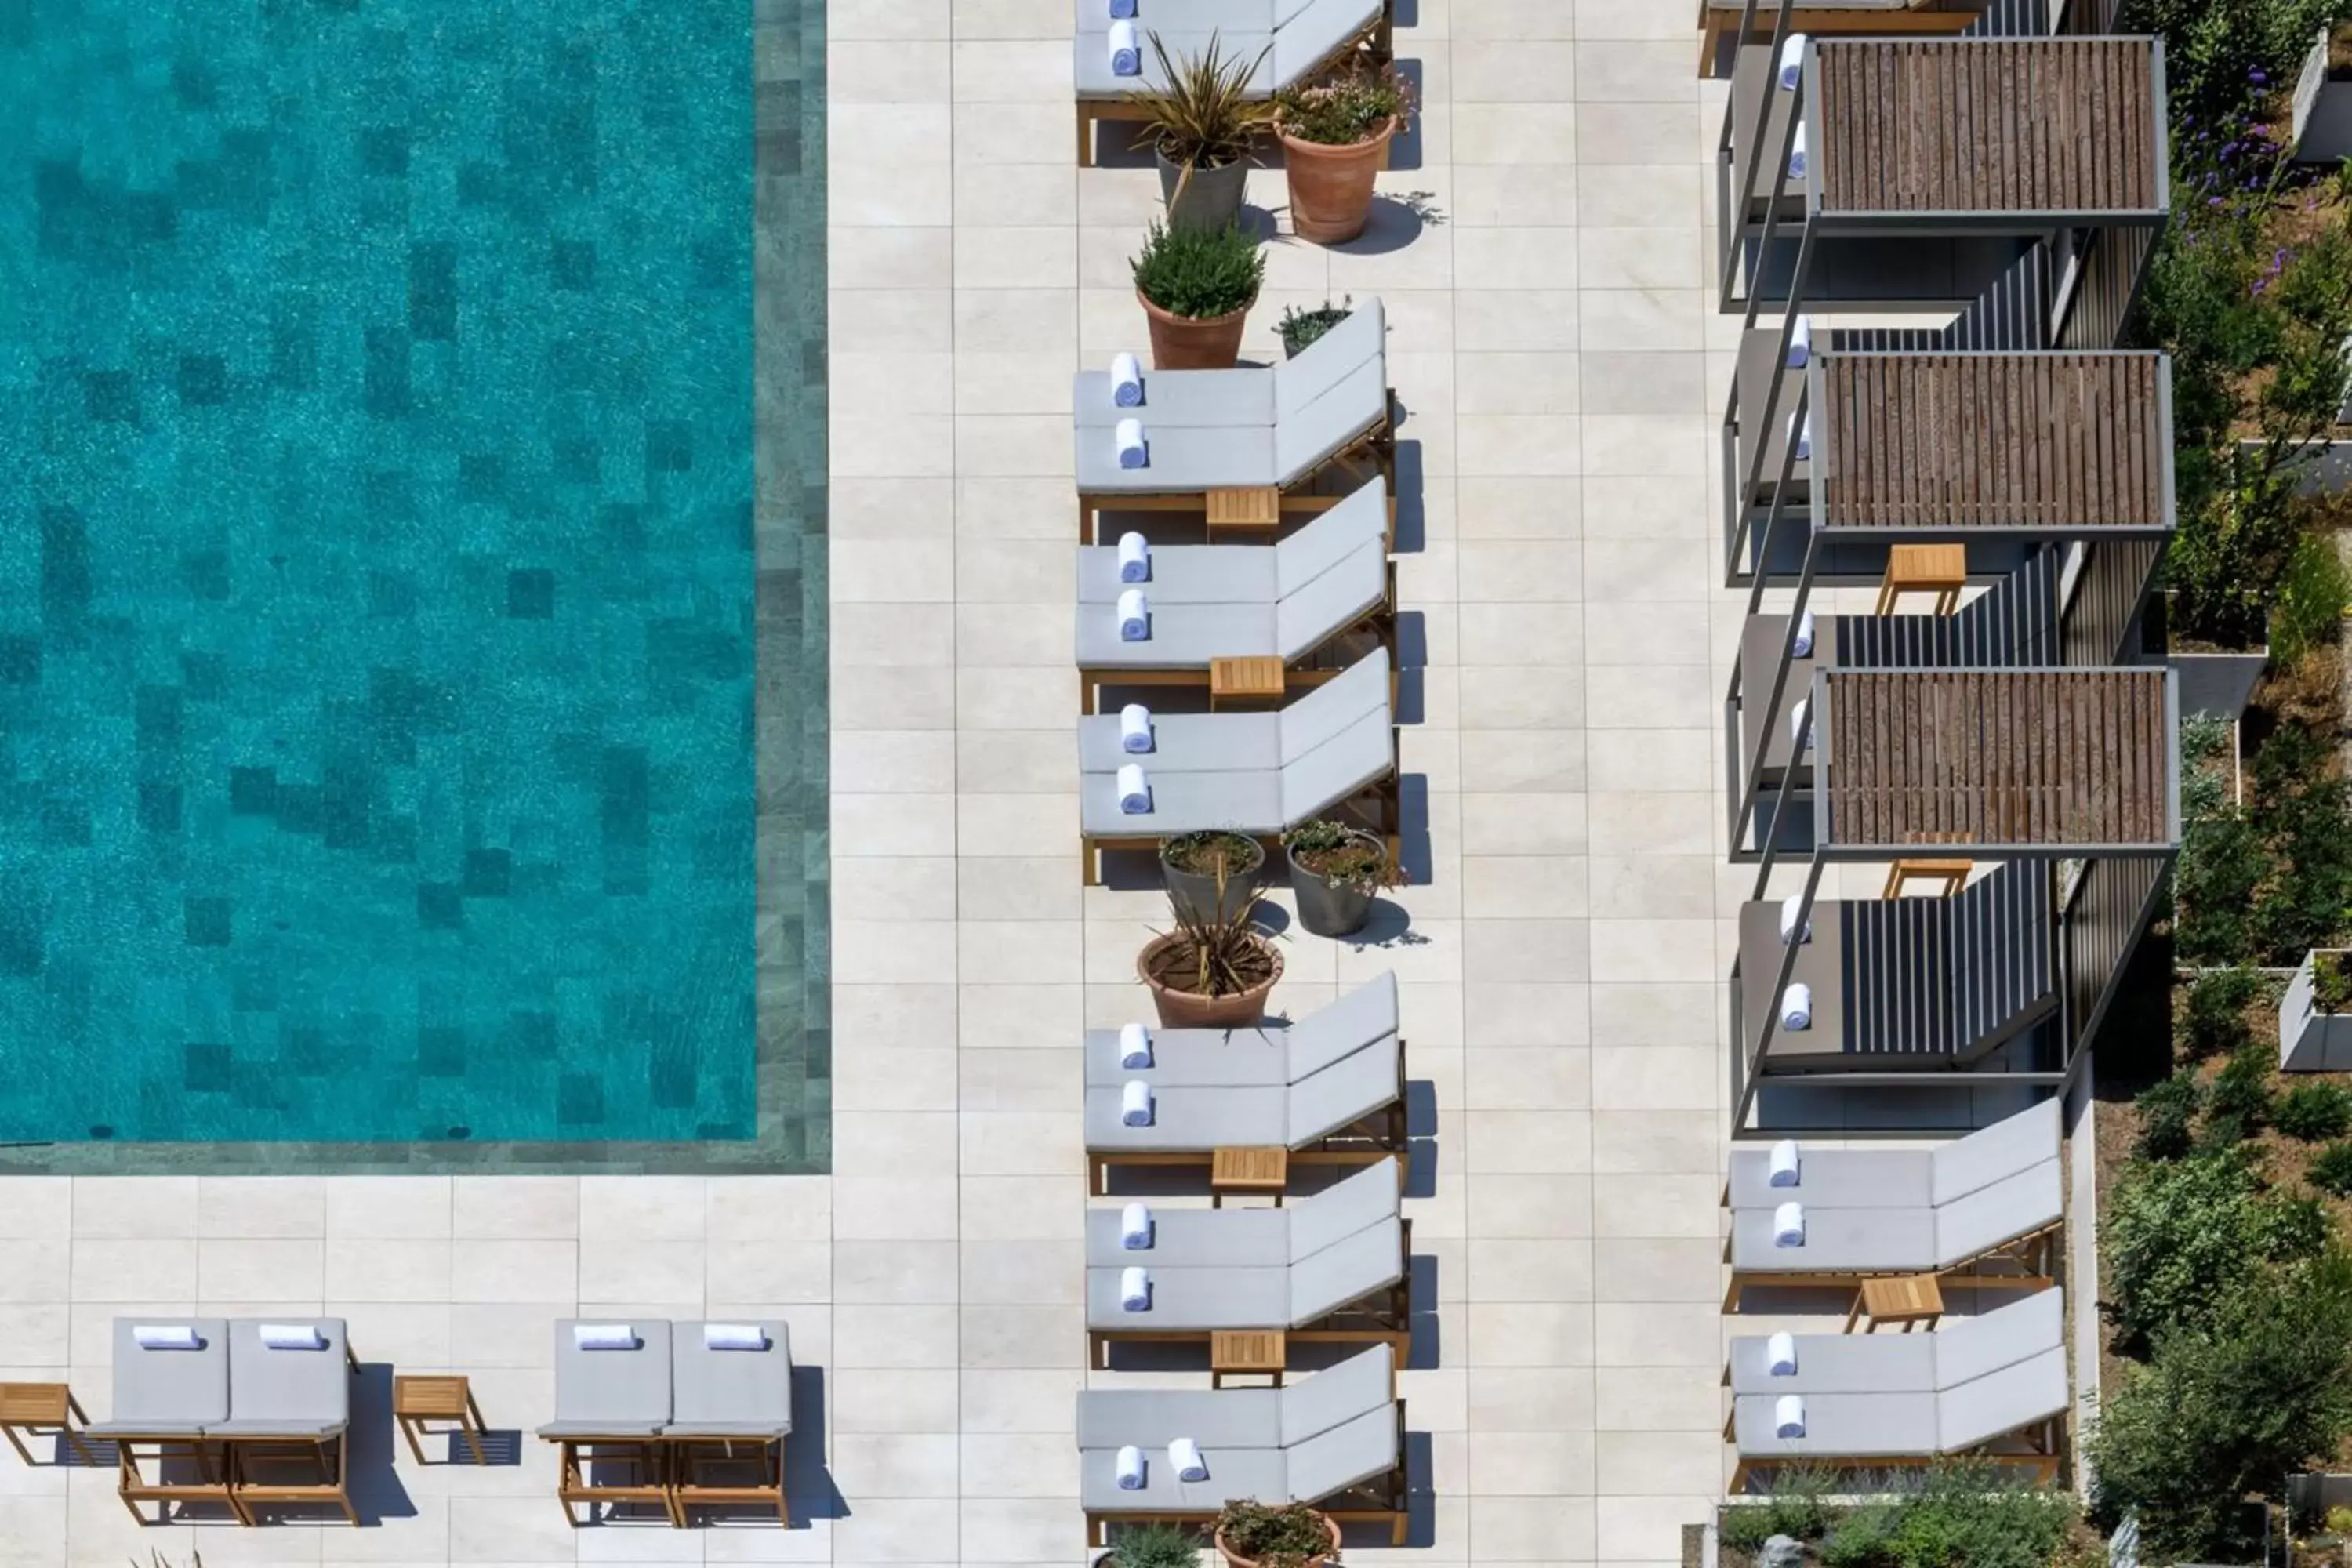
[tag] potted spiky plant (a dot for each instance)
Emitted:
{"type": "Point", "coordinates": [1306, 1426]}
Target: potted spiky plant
{"type": "Point", "coordinates": [1196, 287]}
{"type": "Point", "coordinates": [1334, 138]}
{"type": "Point", "coordinates": [1252, 1534]}
{"type": "Point", "coordinates": [1214, 872]}
{"type": "Point", "coordinates": [1201, 125]}
{"type": "Point", "coordinates": [1214, 971]}
{"type": "Point", "coordinates": [1336, 871]}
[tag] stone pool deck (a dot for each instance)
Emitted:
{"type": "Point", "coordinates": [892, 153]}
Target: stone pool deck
{"type": "Point", "coordinates": [1554, 347]}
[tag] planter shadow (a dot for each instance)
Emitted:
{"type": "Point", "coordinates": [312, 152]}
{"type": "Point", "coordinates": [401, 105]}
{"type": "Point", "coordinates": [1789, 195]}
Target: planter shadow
{"type": "Point", "coordinates": [1390, 925]}
{"type": "Point", "coordinates": [1405, 152]}
{"type": "Point", "coordinates": [1391, 226]}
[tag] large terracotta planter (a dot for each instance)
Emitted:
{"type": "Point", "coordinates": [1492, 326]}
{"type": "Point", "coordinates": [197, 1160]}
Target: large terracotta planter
{"type": "Point", "coordinates": [1188, 1010]}
{"type": "Point", "coordinates": [1331, 187]}
{"type": "Point", "coordinates": [1194, 342]}
{"type": "Point", "coordinates": [1238, 1561]}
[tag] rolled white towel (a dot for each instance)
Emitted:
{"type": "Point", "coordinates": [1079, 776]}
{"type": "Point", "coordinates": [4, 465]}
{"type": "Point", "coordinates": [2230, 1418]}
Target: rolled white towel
{"type": "Point", "coordinates": [1134, 790]}
{"type": "Point", "coordinates": [1133, 452]}
{"type": "Point", "coordinates": [1788, 1225]}
{"type": "Point", "coordinates": [734, 1337]}
{"type": "Point", "coordinates": [1800, 342]}
{"type": "Point", "coordinates": [1126, 373]}
{"type": "Point", "coordinates": [1792, 61]}
{"type": "Point", "coordinates": [1789, 1416]}
{"type": "Point", "coordinates": [1787, 1165]}
{"type": "Point", "coordinates": [1134, 1046]}
{"type": "Point", "coordinates": [1797, 154]}
{"type": "Point", "coordinates": [1126, 58]}
{"type": "Point", "coordinates": [1780, 1355]}
{"type": "Point", "coordinates": [1797, 1007]}
{"type": "Point", "coordinates": [1135, 1227]}
{"type": "Point", "coordinates": [1790, 915]}
{"type": "Point", "coordinates": [1134, 1289]}
{"type": "Point", "coordinates": [1135, 729]}
{"type": "Point", "coordinates": [166, 1337]}
{"type": "Point", "coordinates": [1134, 557]}
{"type": "Point", "coordinates": [291, 1336]}
{"type": "Point", "coordinates": [1803, 646]}
{"type": "Point", "coordinates": [1796, 715]}
{"type": "Point", "coordinates": [1801, 434]}
{"type": "Point", "coordinates": [604, 1337]}
{"type": "Point", "coordinates": [1186, 1455]}
{"type": "Point", "coordinates": [1135, 1103]}
{"type": "Point", "coordinates": [1130, 1458]}
{"type": "Point", "coordinates": [1134, 612]}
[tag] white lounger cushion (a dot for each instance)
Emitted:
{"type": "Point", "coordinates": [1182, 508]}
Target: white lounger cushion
{"type": "Point", "coordinates": [1262, 1055]}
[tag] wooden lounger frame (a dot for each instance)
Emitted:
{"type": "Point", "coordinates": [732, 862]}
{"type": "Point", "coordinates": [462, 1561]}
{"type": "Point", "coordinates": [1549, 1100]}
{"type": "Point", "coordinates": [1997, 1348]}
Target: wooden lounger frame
{"type": "Point", "coordinates": [766, 1454]}
{"type": "Point", "coordinates": [332, 1455]}
{"type": "Point", "coordinates": [1385, 1315]}
{"type": "Point", "coordinates": [1367, 1141]}
{"type": "Point", "coordinates": [1383, 1499]}
{"type": "Point", "coordinates": [2036, 1252]}
{"type": "Point", "coordinates": [132, 1487]}
{"type": "Point", "coordinates": [1378, 42]}
{"type": "Point", "coordinates": [1373, 451]}
{"type": "Point", "coordinates": [2043, 1437]}
{"type": "Point", "coordinates": [1833, 21]}
{"type": "Point", "coordinates": [650, 1456]}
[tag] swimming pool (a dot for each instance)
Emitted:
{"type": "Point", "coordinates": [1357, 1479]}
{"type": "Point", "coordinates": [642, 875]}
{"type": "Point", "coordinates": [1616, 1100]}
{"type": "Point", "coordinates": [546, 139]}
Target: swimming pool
{"type": "Point", "coordinates": [381, 604]}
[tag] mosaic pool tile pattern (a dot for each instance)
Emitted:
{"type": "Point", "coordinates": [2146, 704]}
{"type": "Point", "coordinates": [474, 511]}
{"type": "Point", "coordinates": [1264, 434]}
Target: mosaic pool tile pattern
{"type": "Point", "coordinates": [383, 605]}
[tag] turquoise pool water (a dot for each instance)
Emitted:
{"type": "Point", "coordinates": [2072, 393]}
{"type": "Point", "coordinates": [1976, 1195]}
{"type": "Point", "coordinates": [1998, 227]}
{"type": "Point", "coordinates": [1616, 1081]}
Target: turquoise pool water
{"type": "Point", "coordinates": [377, 611]}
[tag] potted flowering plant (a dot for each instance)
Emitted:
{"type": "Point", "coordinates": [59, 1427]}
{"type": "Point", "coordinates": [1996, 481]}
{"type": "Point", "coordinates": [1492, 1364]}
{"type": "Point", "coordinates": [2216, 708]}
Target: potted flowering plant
{"type": "Point", "coordinates": [1334, 138]}
{"type": "Point", "coordinates": [1334, 870]}
{"type": "Point", "coordinates": [1252, 1534]}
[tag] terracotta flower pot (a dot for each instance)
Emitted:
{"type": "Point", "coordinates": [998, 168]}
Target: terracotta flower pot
{"type": "Point", "coordinates": [1238, 1561]}
{"type": "Point", "coordinates": [1190, 1010]}
{"type": "Point", "coordinates": [1331, 187]}
{"type": "Point", "coordinates": [1194, 342]}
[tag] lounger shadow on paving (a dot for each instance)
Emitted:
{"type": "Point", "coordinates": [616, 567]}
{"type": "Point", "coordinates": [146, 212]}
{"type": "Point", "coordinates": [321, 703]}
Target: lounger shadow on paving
{"type": "Point", "coordinates": [731, 1416]}
{"type": "Point", "coordinates": [1993, 1386]}
{"type": "Point", "coordinates": [290, 1417]}
{"type": "Point", "coordinates": [611, 1408]}
{"type": "Point", "coordinates": [1333, 752]}
{"type": "Point", "coordinates": [1991, 1205]}
{"type": "Point", "coordinates": [1300, 39]}
{"type": "Point", "coordinates": [1330, 1267]}
{"type": "Point", "coordinates": [1335, 1440]}
{"type": "Point", "coordinates": [1334, 1094]}
{"type": "Point", "coordinates": [1269, 429]}
{"type": "Point", "coordinates": [1314, 602]}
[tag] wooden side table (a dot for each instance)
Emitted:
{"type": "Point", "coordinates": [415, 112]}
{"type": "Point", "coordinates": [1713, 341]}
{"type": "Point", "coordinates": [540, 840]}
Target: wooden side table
{"type": "Point", "coordinates": [1247, 1352]}
{"type": "Point", "coordinates": [34, 1408]}
{"type": "Point", "coordinates": [1253, 679]}
{"type": "Point", "coordinates": [416, 1400]}
{"type": "Point", "coordinates": [1939, 569]}
{"type": "Point", "coordinates": [1906, 1298]}
{"type": "Point", "coordinates": [1249, 1168]}
{"type": "Point", "coordinates": [1952, 874]}
{"type": "Point", "coordinates": [1256, 509]}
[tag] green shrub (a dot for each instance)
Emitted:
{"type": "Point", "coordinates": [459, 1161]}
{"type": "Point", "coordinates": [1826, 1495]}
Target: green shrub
{"type": "Point", "coordinates": [1199, 273]}
{"type": "Point", "coordinates": [2315, 1112]}
{"type": "Point", "coordinates": [2331, 1169]}
{"type": "Point", "coordinates": [2212, 47]}
{"type": "Point", "coordinates": [2331, 982]}
{"type": "Point", "coordinates": [1968, 1515]}
{"type": "Point", "coordinates": [1864, 1537]}
{"type": "Point", "coordinates": [2168, 1116]}
{"type": "Point", "coordinates": [1300, 328]}
{"type": "Point", "coordinates": [1746, 1526]}
{"type": "Point", "coordinates": [1796, 1507]}
{"type": "Point", "coordinates": [2226, 1409]}
{"type": "Point", "coordinates": [2303, 808]}
{"type": "Point", "coordinates": [1279, 1535]}
{"type": "Point", "coordinates": [2180, 1235]}
{"type": "Point", "coordinates": [1155, 1546]}
{"type": "Point", "coordinates": [2308, 612]}
{"type": "Point", "coordinates": [2222, 862]}
{"type": "Point", "coordinates": [2213, 1015]}
{"type": "Point", "coordinates": [2240, 1102]}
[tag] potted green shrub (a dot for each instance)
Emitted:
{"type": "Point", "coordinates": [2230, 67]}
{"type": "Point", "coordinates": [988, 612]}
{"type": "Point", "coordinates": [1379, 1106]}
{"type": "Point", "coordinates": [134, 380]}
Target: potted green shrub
{"type": "Point", "coordinates": [1336, 871]}
{"type": "Point", "coordinates": [1196, 286]}
{"type": "Point", "coordinates": [1212, 874]}
{"type": "Point", "coordinates": [1153, 1546]}
{"type": "Point", "coordinates": [1252, 1534]}
{"type": "Point", "coordinates": [1300, 328]}
{"type": "Point", "coordinates": [1200, 125]}
{"type": "Point", "coordinates": [1335, 138]}
{"type": "Point", "coordinates": [1211, 972]}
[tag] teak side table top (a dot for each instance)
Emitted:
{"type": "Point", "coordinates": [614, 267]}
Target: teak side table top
{"type": "Point", "coordinates": [1906, 1298]}
{"type": "Point", "coordinates": [1249, 1168]}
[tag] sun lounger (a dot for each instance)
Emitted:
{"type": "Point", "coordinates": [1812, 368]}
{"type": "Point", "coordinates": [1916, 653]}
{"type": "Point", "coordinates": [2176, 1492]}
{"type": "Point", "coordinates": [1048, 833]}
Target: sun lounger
{"type": "Point", "coordinates": [1329, 1267]}
{"type": "Point", "coordinates": [1828, 18]}
{"type": "Point", "coordinates": [164, 1400]}
{"type": "Point", "coordinates": [1241, 429]}
{"type": "Point", "coordinates": [1254, 1058]}
{"type": "Point", "coordinates": [1995, 1197]}
{"type": "Point", "coordinates": [731, 1413]}
{"type": "Point", "coordinates": [290, 1416]}
{"type": "Point", "coordinates": [1328, 586]}
{"type": "Point", "coordinates": [1350, 1111]}
{"type": "Point", "coordinates": [1961, 1351]}
{"type": "Point", "coordinates": [1330, 754]}
{"type": "Point", "coordinates": [1298, 38]}
{"type": "Point", "coordinates": [611, 1409]}
{"type": "Point", "coordinates": [1335, 1440]}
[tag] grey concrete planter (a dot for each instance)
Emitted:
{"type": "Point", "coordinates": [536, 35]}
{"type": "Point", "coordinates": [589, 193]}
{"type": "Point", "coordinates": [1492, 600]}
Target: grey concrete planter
{"type": "Point", "coordinates": [1212, 198]}
{"type": "Point", "coordinates": [2310, 1040]}
{"type": "Point", "coordinates": [2323, 109]}
{"type": "Point", "coordinates": [1197, 892]}
{"type": "Point", "coordinates": [2217, 685]}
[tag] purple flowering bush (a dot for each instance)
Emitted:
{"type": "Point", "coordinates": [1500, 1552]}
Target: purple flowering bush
{"type": "Point", "coordinates": [2213, 48]}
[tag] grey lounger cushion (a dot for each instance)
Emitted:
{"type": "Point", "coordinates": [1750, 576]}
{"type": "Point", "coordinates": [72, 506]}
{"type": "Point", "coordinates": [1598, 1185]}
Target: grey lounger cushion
{"type": "Point", "coordinates": [1194, 1120]}
{"type": "Point", "coordinates": [1331, 360]}
{"type": "Point", "coordinates": [1317, 32]}
{"type": "Point", "coordinates": [1362, 1202]}
{"type": "Point", "coordinates": [1909, 1425]}
{"type": "Point", "coordinates": [1349, 1089]}
{"type": "Point", "coordinates": [1183, 16]}
{"type": "Point", "coordinates": [1242, 1058]}
{"type": "Point", "coordinates": [283, 1393]}
{"type": "Point", "coordinates": [1179, 399]}
{"type": "Point", "coordinates": [1152, 1418]}
{"type": "Point", "coordinates": [730, 1393]}
{"type": "Point", "coordinates": [1179, 460]}
{"type": "Point", "coordinates": [612, 1393]}
{"type": "Point", "coordinates": [1837, 1241]}
{"type": "Point", "coordinates": [1187, 573]}
{"type": "Point", "coordinates": [1993, 1154]}
{"type": "Point", "coordinates": [1197, 1299]}
{"type": "Point", "coordinates": [1090, 60]}
{"type": "Point", "coordinates": [168, 1393]}
{"type": "Point", "coordinates": [1961, 1351]}
{"type": "Point", "coordinates": [1970, 1348]}
{"type": "Point", "coordinates": [1902, 1178]}
{"type": "Point", "coordinates": [1251, 1237]}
